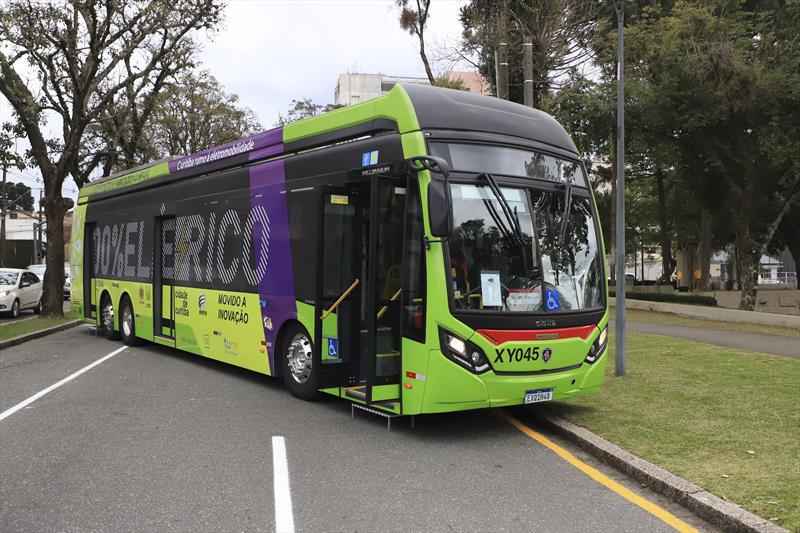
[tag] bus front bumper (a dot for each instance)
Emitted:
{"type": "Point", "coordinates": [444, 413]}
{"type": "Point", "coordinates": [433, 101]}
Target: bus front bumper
{"type": "Point", "coordinates": [452, 388]}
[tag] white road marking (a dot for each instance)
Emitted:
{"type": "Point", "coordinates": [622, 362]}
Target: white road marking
{"type": "Point", "coordinates": [25, 403]}
{"type": "Point", "coordinates": [284, 520]}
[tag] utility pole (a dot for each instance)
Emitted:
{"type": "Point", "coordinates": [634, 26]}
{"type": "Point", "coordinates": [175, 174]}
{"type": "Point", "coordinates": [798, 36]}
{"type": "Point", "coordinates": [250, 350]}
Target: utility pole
{"type": "Point", "coordinates": [527, 71]}
{"type": "Point", "coordinates": [3, 223]}
{"type": "Point", "coordinates": [37, 233]}
{"type": "Point", "coordinates": [501, 55]}
{"type": "Point", "coordinates": [620, 362]}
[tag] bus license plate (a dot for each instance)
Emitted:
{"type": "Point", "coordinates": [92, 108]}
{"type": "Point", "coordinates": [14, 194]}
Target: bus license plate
{"type": "Point", "coordinates": [541, 395]}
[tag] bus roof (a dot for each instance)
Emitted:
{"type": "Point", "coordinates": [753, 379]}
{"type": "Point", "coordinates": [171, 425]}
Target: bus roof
{"type": "Point", "coordinates": [404, 108]}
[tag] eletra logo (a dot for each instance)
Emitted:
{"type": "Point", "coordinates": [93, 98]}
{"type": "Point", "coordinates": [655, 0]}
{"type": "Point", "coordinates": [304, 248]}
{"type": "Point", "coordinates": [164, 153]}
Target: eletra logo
{"type": "Point", "coordinates": [201, 303]}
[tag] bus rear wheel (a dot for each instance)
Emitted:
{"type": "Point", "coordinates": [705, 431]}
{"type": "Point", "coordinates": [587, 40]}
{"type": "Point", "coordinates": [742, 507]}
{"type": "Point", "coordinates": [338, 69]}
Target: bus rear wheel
{"type": "Point", "coordinates": [298, 371]}
{"type": "Point", "coordinates": [127, 323]}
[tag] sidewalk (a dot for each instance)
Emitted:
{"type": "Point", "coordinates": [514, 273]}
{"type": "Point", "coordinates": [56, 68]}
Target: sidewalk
{"type": "Point", "coordinates": [743, 340]}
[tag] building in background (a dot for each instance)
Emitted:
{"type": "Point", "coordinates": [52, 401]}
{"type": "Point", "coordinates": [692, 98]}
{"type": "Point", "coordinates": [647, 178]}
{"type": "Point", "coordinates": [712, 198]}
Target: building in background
{"type": "Point", "coordinates": [353, 87]}
{"type": "Point", "coordinates": [22, 237]}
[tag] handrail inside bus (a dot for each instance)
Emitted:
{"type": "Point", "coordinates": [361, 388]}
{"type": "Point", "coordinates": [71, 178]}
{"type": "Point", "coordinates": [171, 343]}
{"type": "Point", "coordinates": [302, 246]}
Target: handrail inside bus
{"type": "Point", "coordinates": [385, 307]}
{"type": "Point", "coordinates": [337, 302]}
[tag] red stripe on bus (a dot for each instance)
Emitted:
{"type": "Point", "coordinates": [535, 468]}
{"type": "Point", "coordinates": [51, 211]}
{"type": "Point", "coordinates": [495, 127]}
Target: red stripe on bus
{"type": "Point", "coordinates": [499, 336]}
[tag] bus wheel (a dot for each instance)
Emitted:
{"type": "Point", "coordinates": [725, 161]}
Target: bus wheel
{"type": "Point", "coordinates": [127, 323]}
{"type": "Point", "coordinates": [298, 373]}
{"type": "Point", "coordinates": [107, 319]}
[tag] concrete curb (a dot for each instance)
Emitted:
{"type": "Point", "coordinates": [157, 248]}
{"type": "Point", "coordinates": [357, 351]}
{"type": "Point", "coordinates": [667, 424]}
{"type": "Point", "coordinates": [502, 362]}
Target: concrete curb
{"type": "Point", "coordinates": [725, 515]}
{"type": "Point", "coordinates": [36, 334]}
{"type": "Point", "coordinates": [714, 313]}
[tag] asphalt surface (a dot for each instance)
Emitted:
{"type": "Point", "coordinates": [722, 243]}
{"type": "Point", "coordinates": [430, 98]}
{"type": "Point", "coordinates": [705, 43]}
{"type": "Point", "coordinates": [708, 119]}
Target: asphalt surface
{"type": "Point", "coordinates": [744, 340]}
{"type": "Point", "coordinates": [153, 439]}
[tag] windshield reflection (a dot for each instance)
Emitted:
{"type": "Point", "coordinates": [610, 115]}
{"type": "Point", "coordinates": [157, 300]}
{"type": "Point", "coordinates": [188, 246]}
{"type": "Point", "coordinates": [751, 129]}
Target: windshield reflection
{"type": "Point", "coordinates": [511, 258]}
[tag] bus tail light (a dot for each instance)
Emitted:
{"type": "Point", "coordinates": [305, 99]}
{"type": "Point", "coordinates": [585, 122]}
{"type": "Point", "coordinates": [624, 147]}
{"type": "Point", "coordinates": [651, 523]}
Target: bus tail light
{"type": "Point", "coordinates": [598, 347]}
{"type": "Point", "coordinates": [463, 352]}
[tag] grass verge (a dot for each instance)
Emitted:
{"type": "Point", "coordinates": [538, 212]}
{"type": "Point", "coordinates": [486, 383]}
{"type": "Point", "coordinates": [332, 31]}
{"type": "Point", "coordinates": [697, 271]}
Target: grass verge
{"type": "Point", "coordinates": [725, 419]}
{"type": "Point", "coordinates": [654, 317]}
{"type": "Point", "coordinates": [21, 327]}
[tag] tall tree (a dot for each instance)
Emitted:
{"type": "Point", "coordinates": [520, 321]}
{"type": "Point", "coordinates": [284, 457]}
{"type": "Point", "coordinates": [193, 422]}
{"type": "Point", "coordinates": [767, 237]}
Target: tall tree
{"type": "Point", "coordinates": [414, 19]}
{"type": "Point", "coordinates": [721, 78]}
{"type": "Point", "coordinates": [17, 195]}
{"type": "Point", "coordinates": [9, 158]}
{"type": "Point", "coordinates": [191, 113]}
{"type": "Point", "coordinates": [83, 54]}
{"type": "Point", "coordinates": [560, 31]}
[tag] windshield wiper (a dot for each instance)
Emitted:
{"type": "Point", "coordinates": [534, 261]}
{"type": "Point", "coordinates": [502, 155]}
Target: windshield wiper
{"type": "Point", "coordinates": [565, 214]}
{"type": "Point", "coordinates": [516, 229]}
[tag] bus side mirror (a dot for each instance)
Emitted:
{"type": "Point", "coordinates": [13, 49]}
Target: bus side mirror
{"type": "Point", "coordinates": [439, 210]}
{"type": "Point", "coordinates": [430, 163]}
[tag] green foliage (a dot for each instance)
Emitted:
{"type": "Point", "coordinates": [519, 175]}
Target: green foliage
{"type": "Point", "coordinates": [448, 83]}
{"type": "Point", "coordinates": [196, 113]}
{"type": "Point", "coordinates": [304, 108]}
{"type": "Point", "coordinates": [559, 30]}
{"type": "Point", "coordinates": [18, 196]}
{"type": "Point", "coordinates": [9, 157]}
{"type": "Point", "coordinates": [689, 299]}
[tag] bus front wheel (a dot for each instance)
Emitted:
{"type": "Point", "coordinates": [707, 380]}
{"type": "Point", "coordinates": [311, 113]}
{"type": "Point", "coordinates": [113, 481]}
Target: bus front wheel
{"type": "Point", "coordinates": [107, 318]}
{"type": "Point", "coordinates": [298, 371]}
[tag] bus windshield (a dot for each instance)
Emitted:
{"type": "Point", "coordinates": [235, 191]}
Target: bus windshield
{"type": "Point", "coordinates": [514, 250]}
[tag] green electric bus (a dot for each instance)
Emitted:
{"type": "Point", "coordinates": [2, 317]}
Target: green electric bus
{"type": "Point", "coordinates": [426, 251]}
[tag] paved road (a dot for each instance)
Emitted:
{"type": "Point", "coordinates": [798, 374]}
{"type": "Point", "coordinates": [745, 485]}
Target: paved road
{"type": "Point", "coordinates": [744, 340]}
{"type": "Point", "coordinates": [28, 313]}
{"type": "Point", "coordinates": [154, 440]}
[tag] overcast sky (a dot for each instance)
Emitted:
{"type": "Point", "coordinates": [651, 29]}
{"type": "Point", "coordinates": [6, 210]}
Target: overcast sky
{"type": "Point", "coordinates": [270, 52]}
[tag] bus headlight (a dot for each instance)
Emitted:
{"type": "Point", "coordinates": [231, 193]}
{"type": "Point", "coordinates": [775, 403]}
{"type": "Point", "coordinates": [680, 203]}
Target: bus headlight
{"type": "Point", "coordinates": [463, 352]}
{"type": "Point", "coordinates": [598, 347]}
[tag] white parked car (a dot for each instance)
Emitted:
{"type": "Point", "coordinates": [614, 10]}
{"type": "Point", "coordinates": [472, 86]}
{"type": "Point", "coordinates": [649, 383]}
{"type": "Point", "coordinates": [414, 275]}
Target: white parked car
{"type": "Point", "coordinates": [40, 268]}
{"type": "Point", "coordinates": [19, 289]}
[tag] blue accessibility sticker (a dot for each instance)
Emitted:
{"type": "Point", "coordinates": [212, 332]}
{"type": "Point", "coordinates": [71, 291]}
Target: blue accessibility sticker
{"type": "Point", "coordinates": [370, 158]}
{"type": "Point", "coordinates": [552, 300]}
{"type": "Point", "coordinates": [333, 348]}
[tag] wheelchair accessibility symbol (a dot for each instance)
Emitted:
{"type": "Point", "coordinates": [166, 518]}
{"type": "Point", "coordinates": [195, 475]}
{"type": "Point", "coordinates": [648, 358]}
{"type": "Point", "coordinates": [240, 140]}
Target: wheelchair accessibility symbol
{"type": "Point", "coordinates": [552, 301]}
{"type": "Point", "coordinates": [333, 348]}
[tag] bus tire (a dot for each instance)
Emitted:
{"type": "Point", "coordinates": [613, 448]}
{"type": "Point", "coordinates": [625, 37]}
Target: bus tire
{"type": "Point", "coordinates": [127, 322]}
{"type": "Point", "coordinates": [107, 318]}
{"type": "Point", "coordinates": [297, 372]}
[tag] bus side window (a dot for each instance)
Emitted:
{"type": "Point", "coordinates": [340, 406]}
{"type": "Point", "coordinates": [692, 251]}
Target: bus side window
{"type": "Point", "coordinates": [414, 276]}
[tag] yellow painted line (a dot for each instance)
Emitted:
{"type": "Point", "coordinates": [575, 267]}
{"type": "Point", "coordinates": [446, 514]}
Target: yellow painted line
{"type": "Point", "coordinates": [601, 478]}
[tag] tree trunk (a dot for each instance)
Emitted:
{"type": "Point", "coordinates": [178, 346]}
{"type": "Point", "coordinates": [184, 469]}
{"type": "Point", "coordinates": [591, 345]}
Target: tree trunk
{"type": "Point", "coordinates": [53, 297]}
{"type": "Point", "coordinates": [664, 240]}
{"type": "Point", "coordinates": [748, 277]}
{"type": "Point", "coordinates": [424, 57]}
{"type": "Point", "coordinates": [706, 237]}
{"type": "Point", "coordinates": [748, 257]}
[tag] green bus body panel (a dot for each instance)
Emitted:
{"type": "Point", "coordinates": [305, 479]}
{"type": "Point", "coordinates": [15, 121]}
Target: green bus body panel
{"type": "Point", "coordinates": [126, 179]}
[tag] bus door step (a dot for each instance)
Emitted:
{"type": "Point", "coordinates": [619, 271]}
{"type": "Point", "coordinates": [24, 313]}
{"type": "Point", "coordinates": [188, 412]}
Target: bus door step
{"type": "Point", "coordinates": [387, 416]}
{"type": "Point", "coordinates": [387, 363]}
